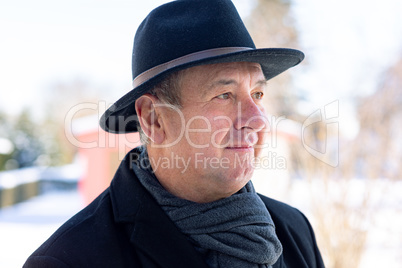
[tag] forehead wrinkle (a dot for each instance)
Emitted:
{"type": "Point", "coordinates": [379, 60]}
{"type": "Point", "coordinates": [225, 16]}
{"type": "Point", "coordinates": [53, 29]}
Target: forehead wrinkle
{"type": "Point", "coordinates": [223, 82]}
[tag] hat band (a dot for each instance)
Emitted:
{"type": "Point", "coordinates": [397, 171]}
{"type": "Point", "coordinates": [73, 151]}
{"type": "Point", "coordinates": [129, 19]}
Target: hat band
{"type": "Point", "coordinates": [145, 76]}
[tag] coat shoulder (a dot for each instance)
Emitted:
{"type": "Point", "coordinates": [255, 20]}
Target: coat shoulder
{"type": "Point", "coordinates": [282, 212]}
{"type": "Point", "coordinates": [296, 235]}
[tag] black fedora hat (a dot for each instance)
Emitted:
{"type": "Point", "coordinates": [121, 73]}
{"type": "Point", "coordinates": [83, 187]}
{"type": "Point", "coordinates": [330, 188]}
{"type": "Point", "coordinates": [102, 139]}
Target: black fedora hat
{"type": "Point", "coordinates": [187, 33]}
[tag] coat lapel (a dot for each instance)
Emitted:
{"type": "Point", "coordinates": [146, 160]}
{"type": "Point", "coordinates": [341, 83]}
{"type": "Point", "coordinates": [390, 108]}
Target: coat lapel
{"type": "Point", "coordinates": [156, 234]}
{"type": "Point", "coordinates": [152, 231]}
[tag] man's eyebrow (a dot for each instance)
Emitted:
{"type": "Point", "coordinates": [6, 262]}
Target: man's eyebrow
{"type": "Point", "coordinates": [262, 83]}
{"type": "Point", "coordinates": [225, 82]}
{"type": "Point", "coordinates": [215, 84]}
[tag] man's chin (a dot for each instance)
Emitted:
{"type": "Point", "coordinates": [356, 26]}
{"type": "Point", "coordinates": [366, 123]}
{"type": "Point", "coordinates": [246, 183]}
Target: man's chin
{"type": "Point", "coordinates": [237, 175]}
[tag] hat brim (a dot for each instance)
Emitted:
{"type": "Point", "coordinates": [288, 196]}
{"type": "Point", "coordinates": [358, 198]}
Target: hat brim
{"type": "Point", "coordinates": [121, 116]}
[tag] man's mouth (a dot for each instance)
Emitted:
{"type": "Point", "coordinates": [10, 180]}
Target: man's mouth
{"type": "Point", "coordinates": [240, 147]}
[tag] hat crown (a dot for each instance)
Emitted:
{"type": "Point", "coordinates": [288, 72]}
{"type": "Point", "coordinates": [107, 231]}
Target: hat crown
{"type": "Point", "coordinates": [183, 27]}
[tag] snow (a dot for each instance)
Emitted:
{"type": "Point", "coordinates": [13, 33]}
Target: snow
{"type": "Point", "coordinates": [6, 146]}
{"type": "Point", "coordinates": [69, 173]}
{"type": "Point", "coordinates": [25, 226]}
{"type": "Point", "coordinates": [13, 178]}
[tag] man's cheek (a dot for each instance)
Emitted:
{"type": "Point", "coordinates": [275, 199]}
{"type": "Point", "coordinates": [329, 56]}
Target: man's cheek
{"type": "Point", "coordinates": [221, 138]}
{"type": "Point", "coordinates": [221, 135]}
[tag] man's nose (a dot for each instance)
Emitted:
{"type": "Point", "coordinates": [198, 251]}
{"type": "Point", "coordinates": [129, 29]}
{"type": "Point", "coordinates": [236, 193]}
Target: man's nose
{"type": "Point", "coordinates": [250, 116]}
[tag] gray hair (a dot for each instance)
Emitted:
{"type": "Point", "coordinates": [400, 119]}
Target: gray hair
{"type": "Point", "coordinates": [167, 91]}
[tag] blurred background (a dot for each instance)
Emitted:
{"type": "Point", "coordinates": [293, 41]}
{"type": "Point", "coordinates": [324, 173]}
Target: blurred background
{"type": "Point", "coordinates": [334, 151]}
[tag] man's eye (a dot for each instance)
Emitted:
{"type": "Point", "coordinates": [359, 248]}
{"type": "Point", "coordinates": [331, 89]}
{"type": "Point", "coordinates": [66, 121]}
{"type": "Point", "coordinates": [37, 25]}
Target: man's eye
{"type": "Point", "coordinates": [258, 95]}
{"type": "Point", "coordinates": [223, 96]}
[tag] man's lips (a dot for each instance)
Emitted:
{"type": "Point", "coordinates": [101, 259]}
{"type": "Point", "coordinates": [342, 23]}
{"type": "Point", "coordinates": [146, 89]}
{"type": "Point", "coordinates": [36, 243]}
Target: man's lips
{"type": "Point", "coordinates": [241, 147]}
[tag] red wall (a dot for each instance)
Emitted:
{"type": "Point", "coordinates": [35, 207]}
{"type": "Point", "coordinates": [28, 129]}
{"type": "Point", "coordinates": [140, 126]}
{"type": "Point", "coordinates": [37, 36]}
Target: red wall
{"type": "Point", "coordinates": [101, 153]}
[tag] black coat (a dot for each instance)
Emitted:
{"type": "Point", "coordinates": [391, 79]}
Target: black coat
{"type": "Point", "coordinates": [125, 227]}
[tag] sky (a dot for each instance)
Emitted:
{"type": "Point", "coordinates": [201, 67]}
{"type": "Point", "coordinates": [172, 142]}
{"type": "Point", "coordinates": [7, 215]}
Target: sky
{"type": "Point", "coordinates": [348, 45]}
{"type": "Point", "coordinates": [46, 41]}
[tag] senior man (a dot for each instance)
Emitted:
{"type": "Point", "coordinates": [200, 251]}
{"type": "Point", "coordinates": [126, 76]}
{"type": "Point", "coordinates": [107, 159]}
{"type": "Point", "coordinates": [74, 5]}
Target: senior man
{"type": "Point", "coordinates": [184, 198]}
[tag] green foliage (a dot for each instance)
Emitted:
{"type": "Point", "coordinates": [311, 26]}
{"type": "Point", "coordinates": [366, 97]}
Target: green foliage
{"type": "Point", "coordinates": [35, 143]}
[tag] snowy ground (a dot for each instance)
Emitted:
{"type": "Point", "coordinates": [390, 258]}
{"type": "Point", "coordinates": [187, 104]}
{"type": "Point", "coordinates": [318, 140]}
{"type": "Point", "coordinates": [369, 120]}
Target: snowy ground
{"type": "Point", "coordinates": [25, 226]}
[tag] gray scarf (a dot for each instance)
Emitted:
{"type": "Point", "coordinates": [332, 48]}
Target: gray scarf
{"type": "Point", "coordinates": [232, 232]}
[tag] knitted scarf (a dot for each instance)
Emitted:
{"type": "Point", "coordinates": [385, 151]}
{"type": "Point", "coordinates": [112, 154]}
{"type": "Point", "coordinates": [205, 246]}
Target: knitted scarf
{"type": "Point", "coordinates": [236, 231]}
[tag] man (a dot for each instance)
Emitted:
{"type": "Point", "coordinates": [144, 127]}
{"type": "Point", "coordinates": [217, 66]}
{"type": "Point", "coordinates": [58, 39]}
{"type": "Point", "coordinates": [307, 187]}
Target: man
{"type": "Point", "coordinates": [185, 198]}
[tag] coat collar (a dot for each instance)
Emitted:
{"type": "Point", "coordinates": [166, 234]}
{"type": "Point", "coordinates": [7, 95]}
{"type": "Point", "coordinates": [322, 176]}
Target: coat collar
{"type": "Point", "coordinates": [152, 230]}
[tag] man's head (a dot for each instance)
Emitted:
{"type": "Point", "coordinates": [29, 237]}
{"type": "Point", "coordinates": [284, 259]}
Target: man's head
{"type": "Point", "coordinates": [209, 140]}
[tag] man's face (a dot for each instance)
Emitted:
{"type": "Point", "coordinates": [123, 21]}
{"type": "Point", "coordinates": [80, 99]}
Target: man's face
{"type": "Point", "coordinates": [215, 134]}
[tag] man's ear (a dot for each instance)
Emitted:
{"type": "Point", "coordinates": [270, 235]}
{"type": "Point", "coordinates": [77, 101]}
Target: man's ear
{"type": "Point", "coordinates": [149, 118]}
